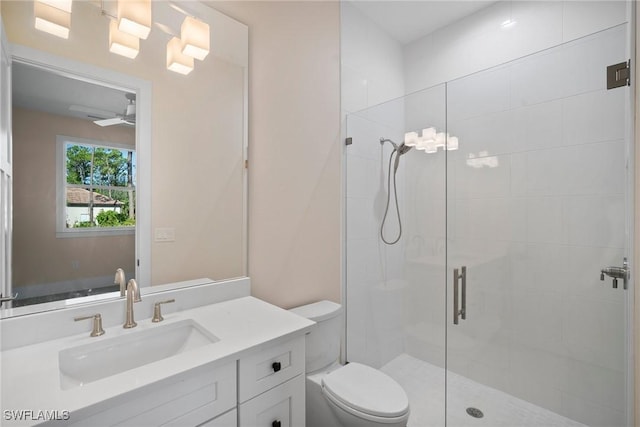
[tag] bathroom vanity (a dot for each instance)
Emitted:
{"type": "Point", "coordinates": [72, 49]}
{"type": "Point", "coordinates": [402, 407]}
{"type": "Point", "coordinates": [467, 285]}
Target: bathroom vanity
{"type": "Point", "coordinates": [238, 362]}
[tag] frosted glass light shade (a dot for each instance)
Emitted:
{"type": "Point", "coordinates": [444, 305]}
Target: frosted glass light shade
{"type": "Point", "coordinates": [431, 147]}
{"type": "Point", "coordinates": [122, 43]}
{"type": "Point", "coordinates": [411, 139]}
{"type": "Point", "coordinates": [424, 143]}
{"type": "Point", "coordinates": [429, 133]}
{"type": "Point", "coordinates": [134, 17]}
{"type": "Point", "coordinates": [64, 5]}
{"type": "Point", "coordinates": [176, 60]}
{"type": "Point", "coordinates": [52, 20]}
{"type": "Point", "coordinates": [195, 38]}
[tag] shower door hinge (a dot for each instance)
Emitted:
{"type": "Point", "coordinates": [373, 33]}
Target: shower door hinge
{"type": "Point", "coordinates": [619, 75]}
{"type": "Point", "coordinates": [348, 141]}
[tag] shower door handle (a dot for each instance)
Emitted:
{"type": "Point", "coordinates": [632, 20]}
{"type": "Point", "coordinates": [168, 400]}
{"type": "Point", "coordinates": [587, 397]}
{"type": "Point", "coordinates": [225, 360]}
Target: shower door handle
{"type": "Point", "coordinates": [459, 312]}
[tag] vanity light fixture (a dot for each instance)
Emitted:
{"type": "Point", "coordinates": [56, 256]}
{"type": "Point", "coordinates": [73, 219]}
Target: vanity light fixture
{"type": "Point", "coordinates": [51, 19]}
{"type": "Point", "coordinates": [122, 43]}
{"type": "Point", "coordinates": [194, 35]}
{"type": "Point", "coordinates": [134, 17]}
{"type": "Point", "coordinates": [176, 60]}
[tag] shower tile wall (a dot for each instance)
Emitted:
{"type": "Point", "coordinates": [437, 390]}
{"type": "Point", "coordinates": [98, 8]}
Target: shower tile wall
{"type": "Point", "coordinates": [371, 62]}
{"type": "Point", "coordinates": [480, 41]}
{"type": "Point", "coordinates": [541, 315]}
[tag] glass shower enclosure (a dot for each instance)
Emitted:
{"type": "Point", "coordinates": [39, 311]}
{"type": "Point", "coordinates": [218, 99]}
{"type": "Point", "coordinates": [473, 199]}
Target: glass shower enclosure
{"type": "Point", "coordinates": [514, 195]}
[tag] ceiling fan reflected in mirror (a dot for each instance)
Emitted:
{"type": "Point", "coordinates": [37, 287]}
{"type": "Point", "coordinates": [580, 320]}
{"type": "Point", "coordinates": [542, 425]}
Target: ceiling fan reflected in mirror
{"type": "Point", "coordinates": [127, 118]}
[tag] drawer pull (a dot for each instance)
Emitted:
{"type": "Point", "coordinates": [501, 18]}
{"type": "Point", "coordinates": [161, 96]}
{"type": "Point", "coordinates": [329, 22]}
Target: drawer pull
{"type": "Point", "coordinates": [276, 423]}
{"type": "Point", "coordinates": [276, 367]}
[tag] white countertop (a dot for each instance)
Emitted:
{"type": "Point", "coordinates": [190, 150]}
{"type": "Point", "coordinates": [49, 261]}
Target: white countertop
{"type": "Point", "coordinates": [31, 377]}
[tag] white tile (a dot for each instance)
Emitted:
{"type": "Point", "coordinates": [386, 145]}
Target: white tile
{"type": "Point", "coordinates": [353, 37]}
{"type": "Point", "coordinates": [354, 88]}
{"type": "Point", "coordinates": [366, 261]}
{"type": "Point", "coordinates": [538, 78]}
{"type": "Point", "coordinates": [478, 94]}
{"type": "Point", "coordinates": [418, 64]}
{"type": "Point", "coordinates": [594, 117]}
{"type": "Point", "coordinates": [472, 178]}
{"type": "Point", "coordinates": [493, 133]}
{"type": "Point", "coordinates": [426, 108]}
{"type": "Point", "coordinates": [591, 413]}
{"type": "Point", "coordinates": [538, 126]}
{"type": "Point", "coordinates": [596, 384]}
{"type": "Point", "coordinates": [541, 269]}
{"type": "Point", "coordinates": [593, 331]}
{"type": "Point", "coordinates": [483, 218]}
{"type": "Point", "coordinates": [581, 18]}
{"type": "Point", "coordinates": [597, 221]}
{"type": "Point", "coordinates": [545, 220]}
{"type": "Point", "coordinates": [538, 26]}
{"type": "Point", "coordinates": [363, 176]}
{"type": "Point", "coordinates": [518, 174]}
{"type": "Point", "coordinates": [424, 384]}
{"type": "Point", "coordinates": [537, 321]}
{"type": "Point", "coordinates": [583, 169]}
{"type": "Point", "coordinates": [360, 219]}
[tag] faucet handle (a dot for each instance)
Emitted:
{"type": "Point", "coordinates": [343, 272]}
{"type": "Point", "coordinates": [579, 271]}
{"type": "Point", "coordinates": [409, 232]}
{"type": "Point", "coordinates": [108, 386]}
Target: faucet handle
{"type": "Point", "coordinates": [97, 324]}
{"type": "Point", "coordinates": [157, 313]}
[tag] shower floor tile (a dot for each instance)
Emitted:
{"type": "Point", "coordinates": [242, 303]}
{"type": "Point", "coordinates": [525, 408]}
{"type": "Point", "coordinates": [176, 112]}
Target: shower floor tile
{"type": "Point", "coordinates": [424, 384]}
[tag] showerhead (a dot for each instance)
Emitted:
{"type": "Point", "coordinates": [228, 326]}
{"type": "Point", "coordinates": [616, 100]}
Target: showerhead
{"type": "Point", "coordinates": [402, 149]}
{"type": "Point", "coordinates": [399, 150]}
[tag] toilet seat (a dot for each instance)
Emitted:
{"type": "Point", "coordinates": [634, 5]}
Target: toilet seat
{"type": "Point", "coordinates": [366, 393]}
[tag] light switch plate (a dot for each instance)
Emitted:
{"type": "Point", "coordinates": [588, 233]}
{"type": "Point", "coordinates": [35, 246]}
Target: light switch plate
{"type": "Point", "coordinates": [165, 234]}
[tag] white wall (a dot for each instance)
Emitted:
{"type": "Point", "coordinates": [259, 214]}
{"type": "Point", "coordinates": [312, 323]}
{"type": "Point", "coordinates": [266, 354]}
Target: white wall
{"type": "Point", "coordinates": [294, 149]}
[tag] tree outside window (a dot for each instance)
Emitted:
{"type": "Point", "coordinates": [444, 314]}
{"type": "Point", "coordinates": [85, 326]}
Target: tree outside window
{"type": "Point", "coordinates": [99, 187]}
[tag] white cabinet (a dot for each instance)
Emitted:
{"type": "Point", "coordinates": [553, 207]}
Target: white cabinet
{"type": "Point", "coordinates": [271, 386]}
{"type": "Point", "coordinates": [282, 406]}
{"type": "Point", "coordinates": [198, 397]}
{"type": "Point", "coordinates": [270, 366]}
{"type": "Point", "coordinates": [264, 387]}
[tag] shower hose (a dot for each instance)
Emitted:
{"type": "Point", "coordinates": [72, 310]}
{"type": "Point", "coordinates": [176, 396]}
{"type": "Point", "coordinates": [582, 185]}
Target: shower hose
{"type": "Point", "coordinates": [395, 194]}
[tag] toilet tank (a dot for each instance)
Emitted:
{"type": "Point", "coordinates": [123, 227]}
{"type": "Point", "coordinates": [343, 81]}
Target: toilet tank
{"type": "Point", "coordinates": [323, 342]}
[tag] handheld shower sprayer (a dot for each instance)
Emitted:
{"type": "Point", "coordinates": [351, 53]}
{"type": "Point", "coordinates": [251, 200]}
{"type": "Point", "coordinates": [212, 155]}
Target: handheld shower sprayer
{"type": "Point", "coordinates": [398, 150]}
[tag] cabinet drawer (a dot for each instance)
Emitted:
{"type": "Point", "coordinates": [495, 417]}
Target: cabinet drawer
{"type": "Point", "coordinates": [269, 367]}
{"type": "Point", "coordinates": [282, 406]}
{"type": "Point", "coordinates": [202, 394]}
{"type": "Point", "coordinates": [230, 419]}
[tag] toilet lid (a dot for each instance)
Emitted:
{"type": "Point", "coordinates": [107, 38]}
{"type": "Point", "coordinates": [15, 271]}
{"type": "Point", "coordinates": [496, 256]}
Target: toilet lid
{"type": "Point", "coordinates": [367, 390]}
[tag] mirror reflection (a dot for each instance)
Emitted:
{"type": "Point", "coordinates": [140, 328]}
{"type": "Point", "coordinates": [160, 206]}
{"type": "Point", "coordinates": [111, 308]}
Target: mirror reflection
{"type": "Point", "coordinates": [74, 157]}
{"type": "Point", "coordinates": [189, 220]}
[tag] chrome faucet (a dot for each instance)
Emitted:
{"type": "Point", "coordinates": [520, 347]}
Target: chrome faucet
{"type": "Point", "coordinates": [120, 280]}
{"type": "Point", "coordinates": [133, 295]}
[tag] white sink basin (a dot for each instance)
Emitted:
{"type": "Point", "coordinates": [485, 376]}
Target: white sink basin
{"type": "Point", "coordinates": [105, 357]}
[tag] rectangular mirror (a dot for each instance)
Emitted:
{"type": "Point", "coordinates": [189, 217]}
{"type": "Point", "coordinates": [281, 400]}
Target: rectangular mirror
{"type": "Point", "coordinates": [170, 211]}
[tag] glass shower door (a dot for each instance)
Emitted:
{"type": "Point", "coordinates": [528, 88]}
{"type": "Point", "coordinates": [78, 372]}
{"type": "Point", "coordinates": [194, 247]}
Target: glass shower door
{"type": "Point", "coordinates": [537, 204]}
{"type": "Point", "coordinates": [395, 280]}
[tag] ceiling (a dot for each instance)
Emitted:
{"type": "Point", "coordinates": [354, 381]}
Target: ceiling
{"type": "Point", "coordinates": [42, 90]}
{"type": "Point", "coordinates": [407, 21]}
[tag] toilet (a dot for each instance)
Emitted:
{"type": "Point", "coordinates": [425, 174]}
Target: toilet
{"type": "Point", "coordinates": [351, 395]}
